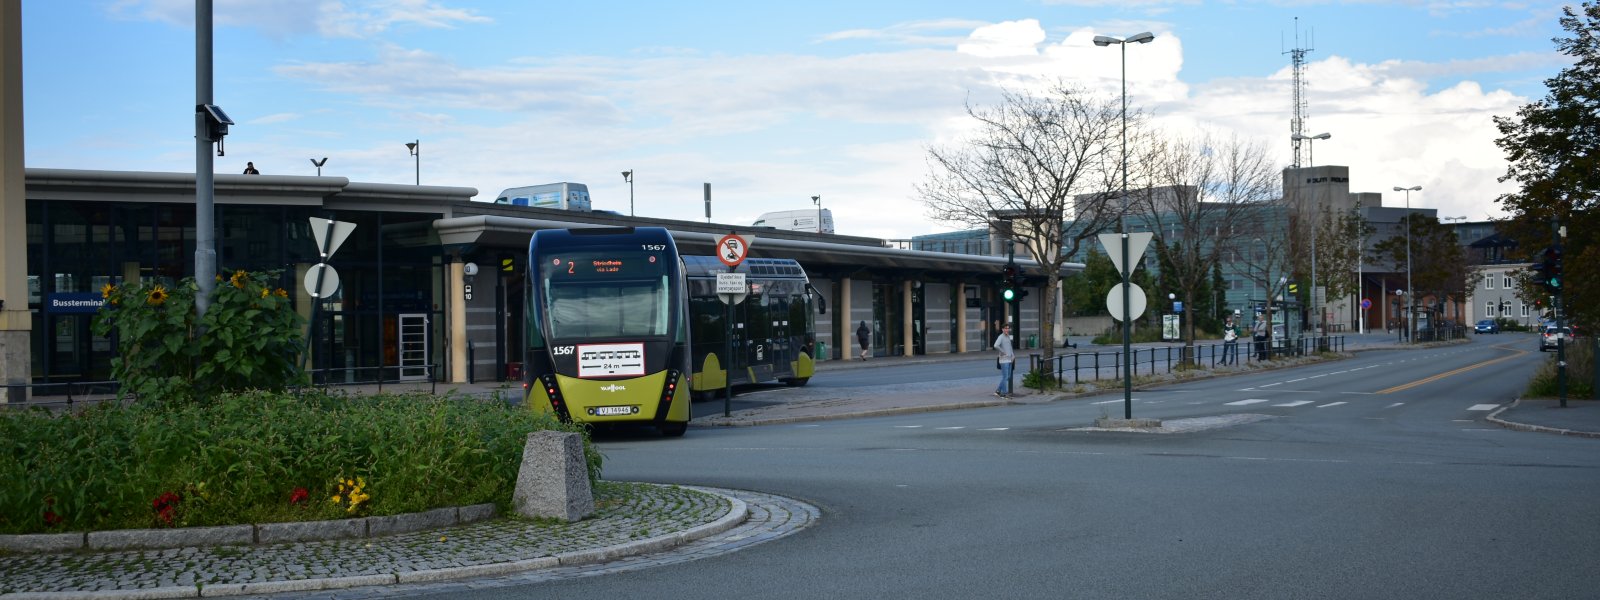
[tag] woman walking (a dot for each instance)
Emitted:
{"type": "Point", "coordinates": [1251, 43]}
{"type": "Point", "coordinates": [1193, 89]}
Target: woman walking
{"type": "Point", "coordinates": [863, 336]}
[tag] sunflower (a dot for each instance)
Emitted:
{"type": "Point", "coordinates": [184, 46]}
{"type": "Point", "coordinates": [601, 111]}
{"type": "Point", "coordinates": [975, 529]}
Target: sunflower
{"type": "Point", "coordinates": [107, 290]}
{"type": "Point", "coordinates": [281, 293]}
{"type": "Point", "coordinates": [265, 292]}
{"type": "Point", "coordinates": [239, 279]}
{"type": "Point", "coordinates": [158, 296]}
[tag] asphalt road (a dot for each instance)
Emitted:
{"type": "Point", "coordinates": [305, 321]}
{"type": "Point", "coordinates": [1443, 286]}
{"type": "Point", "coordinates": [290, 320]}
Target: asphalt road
{"type": "Point", "coordinates": [1373, 477]}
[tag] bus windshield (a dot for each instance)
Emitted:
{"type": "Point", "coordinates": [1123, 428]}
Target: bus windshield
{"type": "Point", "coordinates": [596, 294]}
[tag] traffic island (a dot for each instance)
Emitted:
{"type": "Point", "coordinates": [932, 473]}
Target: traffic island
{"type": "Point", "coordinates": [1110, 423]}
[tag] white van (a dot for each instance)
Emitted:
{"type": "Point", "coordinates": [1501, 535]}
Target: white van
{"type": "Point", "coordinates": [796, 220]}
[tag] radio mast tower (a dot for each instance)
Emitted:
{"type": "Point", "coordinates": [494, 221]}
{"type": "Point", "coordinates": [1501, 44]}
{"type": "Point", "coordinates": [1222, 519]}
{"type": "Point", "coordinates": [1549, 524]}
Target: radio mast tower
{"type": "Point", "coordinates": [1297, 125]}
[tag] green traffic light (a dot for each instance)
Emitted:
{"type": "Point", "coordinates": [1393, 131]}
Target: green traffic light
{"type": "Point", "coordinates": [1010, 294]}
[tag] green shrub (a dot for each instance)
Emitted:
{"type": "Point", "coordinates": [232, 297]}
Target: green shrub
{"type": "Point", "coordinates": [251, 337]}
{"type": "Point", "coordinates": [1039, 380]}
{"type": "Point", "coordinates": [1140, 335]}
{"type": "Point", "coordinates": [258, 457]}
{"type": "Point", "coordinates": [1580, 373]}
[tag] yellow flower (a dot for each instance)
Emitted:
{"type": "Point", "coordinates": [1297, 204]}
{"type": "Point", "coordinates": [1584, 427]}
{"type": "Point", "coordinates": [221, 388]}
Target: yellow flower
{"type": "Point", "coordinates": [239, 279]}
{"type": "Point", "coordinates": [337, 499]}
{"type": "Point", "coordinates": [264, 292]}
{"type": "Point", "coordinates": [158, 296]}
{"type": "Point", "coordinates": [107, 290]}
{"type": "Point", "coordinates": [281, 293]}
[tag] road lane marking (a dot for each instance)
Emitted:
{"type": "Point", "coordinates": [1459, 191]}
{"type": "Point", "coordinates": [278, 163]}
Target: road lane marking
{"type": "Point", "coordinates": [945, 428]}
{"type": "Point", "coordinates": [1395, 404]}
{"type": "Point", "coordinates": [1331, 404]}
{"type": "Point", "coordinates": [994, 429]}
{"type": "Point", "coordinates": [1109, 401]}
{"type": "Point", "coordinates": [907, 426]}
{"type": "Point", "coordinates": [1244, 402]}
{"type": "Point", "coordinates": [1294, 380]}
{"type": "Point", "coordinates": [1295, 403]}
{"type": "Point", "coordinates": [1484, 407]}
{"type": "Point", "coordinates": [1271, 384]}
{"type": "Point", "coordinates": [1316, 376]}
{"type": "Point", "coordinates": [1406, 386]}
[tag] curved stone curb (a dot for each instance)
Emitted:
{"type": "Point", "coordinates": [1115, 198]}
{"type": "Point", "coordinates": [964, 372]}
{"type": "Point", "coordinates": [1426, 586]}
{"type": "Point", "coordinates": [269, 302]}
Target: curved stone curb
{"type": "Point", "coordinates": [1494, 417]}
{"type": "Point", "coordinates": [738, 512]}
{"type": "Point", "coordinates": [246, 535]}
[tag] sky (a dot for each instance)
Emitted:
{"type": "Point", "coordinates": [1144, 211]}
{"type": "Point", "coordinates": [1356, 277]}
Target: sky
{"type": "Point", "coordinates": [771, 103]}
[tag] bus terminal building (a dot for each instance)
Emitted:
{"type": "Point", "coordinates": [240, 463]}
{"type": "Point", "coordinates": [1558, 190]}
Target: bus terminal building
{"type": "Point", "coordinates": [407, 309]}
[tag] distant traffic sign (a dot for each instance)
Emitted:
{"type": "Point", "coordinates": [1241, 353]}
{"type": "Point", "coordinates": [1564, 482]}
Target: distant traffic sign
{"type": "Point", "coordinates": [1365, 303]}
{"type": "Point", "coordinates": [732, 249]}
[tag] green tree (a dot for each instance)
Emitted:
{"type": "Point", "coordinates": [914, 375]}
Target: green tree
{"type": "Point", "coordinates": [1553, 146]}
{"type": "Point", "coordinates": [1438, 263]}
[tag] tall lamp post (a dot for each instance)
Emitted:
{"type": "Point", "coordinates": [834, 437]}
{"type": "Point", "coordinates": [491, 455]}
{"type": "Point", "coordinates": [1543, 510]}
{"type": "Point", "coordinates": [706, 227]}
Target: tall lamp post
{"type": "Point", "coordinates": [1122, 226]}
{"type": "Point", "coordinates": [1411, 294]}
{"type": "Point", "coordinates": [318, 164]}
{"type": "Point", "coordinates": [416, 153]}
{"type": "Point", "coordinates": [628, 177]}
{"type": "Point", "coordinates": [1312, 154]}
{"type": "Point", "coordinates": [817, 200]}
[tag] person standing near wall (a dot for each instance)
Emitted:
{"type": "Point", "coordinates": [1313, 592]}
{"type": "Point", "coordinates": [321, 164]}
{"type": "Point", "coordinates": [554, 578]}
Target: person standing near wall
{"type": "Point", "coordinates": [1230, 342]}
{"type": "Point", "coordinates": [864, 337]}
{"type": "Point", "coordinates": [1007, 360]}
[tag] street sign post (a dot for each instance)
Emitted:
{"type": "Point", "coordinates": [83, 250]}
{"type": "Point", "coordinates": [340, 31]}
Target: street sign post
{"type": "Point", "coordinates": [733, 248]}
{"type": "Point", "coordinates": [1129, 247]}
{"type": "Point", "coordinates": [731, 289]}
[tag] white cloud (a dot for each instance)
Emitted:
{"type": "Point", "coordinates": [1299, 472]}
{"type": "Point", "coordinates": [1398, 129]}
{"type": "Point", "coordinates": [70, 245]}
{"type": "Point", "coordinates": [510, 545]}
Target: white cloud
{"type": "Point", "coordinates": [765, 129]}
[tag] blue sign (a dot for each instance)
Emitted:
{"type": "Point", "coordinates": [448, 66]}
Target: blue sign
{"type": "Point", "coordinates": [74, 303]}
{"type": "Point", "coordinates": [1177, 306]}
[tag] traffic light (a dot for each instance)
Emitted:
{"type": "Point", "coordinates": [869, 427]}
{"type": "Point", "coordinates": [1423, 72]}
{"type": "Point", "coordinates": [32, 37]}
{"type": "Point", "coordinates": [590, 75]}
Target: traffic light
{"type": "Point", "coordinates": [1548, 271]}
{"type": "Point", "coordinates": [1008, 283]}
{"type": "Point", "coordinates": [508, 264]}
{"type": "Point", "coordinates": [1019, 285]}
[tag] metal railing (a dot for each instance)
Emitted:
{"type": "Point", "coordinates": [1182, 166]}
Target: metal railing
{"type": "Point", "coordinates": [325, 378]}
{"type": "Point", "coordinates": [64, 394]}
{"type": "Point", "coordinates": [1150, 360]}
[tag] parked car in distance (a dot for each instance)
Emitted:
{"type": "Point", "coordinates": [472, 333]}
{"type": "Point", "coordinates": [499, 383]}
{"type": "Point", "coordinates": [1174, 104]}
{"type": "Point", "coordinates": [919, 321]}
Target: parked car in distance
{"type": "Point", "coordinates": [1551, 336]}
{"type": "Point", "coordinates": [1487, 326]}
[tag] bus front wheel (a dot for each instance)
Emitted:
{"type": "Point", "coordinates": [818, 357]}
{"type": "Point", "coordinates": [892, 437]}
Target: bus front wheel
{"type": "Point", "coordinates": [796, 382]}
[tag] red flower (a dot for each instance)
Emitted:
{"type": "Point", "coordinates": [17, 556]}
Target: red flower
{"type": "Point", "coordinates": [50, 517]}
{"type": "Point", "coordinates": [299, 496]}
{"type": "Point", "coordinates": [166, 507]}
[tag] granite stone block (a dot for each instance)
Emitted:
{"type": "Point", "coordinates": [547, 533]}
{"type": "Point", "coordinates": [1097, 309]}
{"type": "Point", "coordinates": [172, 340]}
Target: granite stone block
{"type": "Point", "coordinates": [277, 533]}
{"type": "Point", "coordinates": [407, 523]}
{"type": "Point", "coordinates": [42, 542]}
{"type": "Point", "coordinates": [554, 479]}
{"type": "Point", "coordinates": [127, 539]}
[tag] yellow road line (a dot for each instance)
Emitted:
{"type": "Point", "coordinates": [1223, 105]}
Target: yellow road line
{"type": "Point", "coordinates": [1406, 386]}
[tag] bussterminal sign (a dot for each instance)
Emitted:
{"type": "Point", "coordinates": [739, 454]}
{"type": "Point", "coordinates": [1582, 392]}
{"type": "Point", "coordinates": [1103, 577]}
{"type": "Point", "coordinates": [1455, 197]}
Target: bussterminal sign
{"type": "Point", "coordinates": [74, 302]}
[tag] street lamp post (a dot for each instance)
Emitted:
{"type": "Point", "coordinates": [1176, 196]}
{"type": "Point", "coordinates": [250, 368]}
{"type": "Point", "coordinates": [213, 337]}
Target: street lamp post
{"type": "Point", "coordinates": [817, 200]}
{"type": "Point", "coordinates": [1127, 267]}
{"type": "Point", "coordinates": [319, 164]}
{"type": "Point", "coordinates": [416, 152]}
{"type": "Point", "coordinates": [628, 177]}
{"type": "Point", "coordinates": [1411, 322]}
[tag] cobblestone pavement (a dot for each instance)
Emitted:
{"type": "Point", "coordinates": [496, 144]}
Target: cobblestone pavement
{"type": "Point", "coordinates": [771, 517]}
{"type": "Point", "coordinates": [630, 518]}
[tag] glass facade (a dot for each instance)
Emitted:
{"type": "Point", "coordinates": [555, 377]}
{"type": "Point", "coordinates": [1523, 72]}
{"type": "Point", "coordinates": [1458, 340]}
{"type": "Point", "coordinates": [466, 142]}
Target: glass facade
{"type": "Point", "coordinates": [388, 269]}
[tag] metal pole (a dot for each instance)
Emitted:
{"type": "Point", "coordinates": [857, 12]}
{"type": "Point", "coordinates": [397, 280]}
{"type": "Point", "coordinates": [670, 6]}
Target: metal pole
{"type": "Point", "coordinates": [1561, 342]}
{"type": "Point", "coordinates": [205, 254]}
{"type": "Point", "coordinates": [1411, 294]}
{"type": "Point", "coordinates": [418, 155]}
{"type": "Point", "coordinates": [727, 380]}
{"type": "Point", "coordinates": [1127, 269]}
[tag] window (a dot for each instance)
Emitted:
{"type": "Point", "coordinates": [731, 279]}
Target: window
{"type": "Point", "coordinates": [1488, 282]}
{"type": "Point", "coordinates": [1506, 283]}
{"type": "Point", "coordinates": [1524, 311]}
{"type": "Point", "coordinates": [1488, 308]}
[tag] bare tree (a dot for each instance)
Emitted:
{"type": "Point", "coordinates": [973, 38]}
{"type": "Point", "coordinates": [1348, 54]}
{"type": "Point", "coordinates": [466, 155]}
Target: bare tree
{"type": "Point", "coordinates": [1194, 193]}
{"type": "Point", "coordinates": [1337, 252]}
{"type": "Point", "coordinates": [1262, 250]}
{"type": "Point", "coordinates": [1026, 163]}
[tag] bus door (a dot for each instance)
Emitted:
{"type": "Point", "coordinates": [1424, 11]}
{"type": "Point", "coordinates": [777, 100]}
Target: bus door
{"type": "Point", "coordinates": [782, 344]}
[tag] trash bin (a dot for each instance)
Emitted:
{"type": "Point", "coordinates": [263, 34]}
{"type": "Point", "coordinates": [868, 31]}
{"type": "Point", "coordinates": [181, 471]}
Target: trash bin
{"type": "Point", "coordinates": [514, 371]}
{"type": "Point", "coordinates": [1033, 340]}
{"type": "Point", "coordinates": [822, 350]}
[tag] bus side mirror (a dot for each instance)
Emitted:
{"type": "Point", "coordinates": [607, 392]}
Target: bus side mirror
{"type": "Point", "coordinates": [822, 303]}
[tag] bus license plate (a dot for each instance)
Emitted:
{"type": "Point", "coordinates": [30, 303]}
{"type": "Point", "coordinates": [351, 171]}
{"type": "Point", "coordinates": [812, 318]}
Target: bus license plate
{"type": "Point", "coordinates": [613, 410]}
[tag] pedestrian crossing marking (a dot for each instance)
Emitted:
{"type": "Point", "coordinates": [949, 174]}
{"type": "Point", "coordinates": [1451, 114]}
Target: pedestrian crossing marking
{"type": "Point", "coordinates": [1484, 407]}
{"type": "Point", "coordinates": [1244, 402]}
{"type": "Point", "coordinates": [1295, 403]}
{"type": "Point", "coordinates": [1331, 404]}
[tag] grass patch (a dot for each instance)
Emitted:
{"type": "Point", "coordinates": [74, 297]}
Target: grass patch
{"type": "Point", "coordinates": [260, 457]}
{"type": "Point", "coordinates": [1580, 374]}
